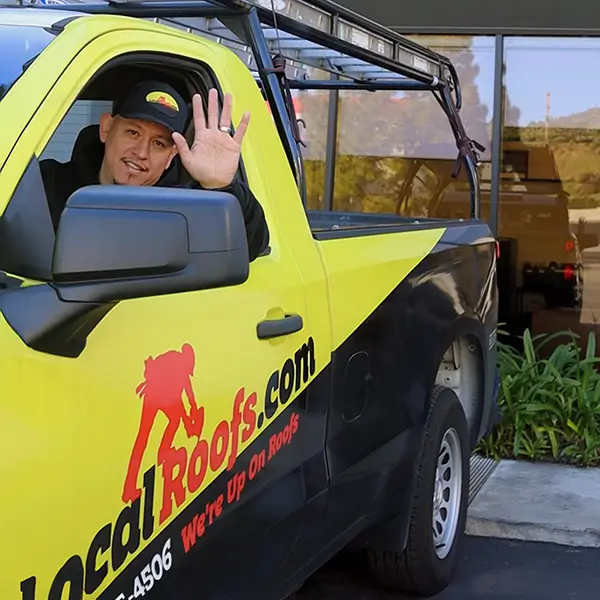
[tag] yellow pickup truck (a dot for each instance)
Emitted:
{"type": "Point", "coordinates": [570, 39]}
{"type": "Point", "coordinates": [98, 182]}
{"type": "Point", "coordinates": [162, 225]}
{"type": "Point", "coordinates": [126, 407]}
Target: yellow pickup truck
{"type": "Point", "coordinates": [180, 420]}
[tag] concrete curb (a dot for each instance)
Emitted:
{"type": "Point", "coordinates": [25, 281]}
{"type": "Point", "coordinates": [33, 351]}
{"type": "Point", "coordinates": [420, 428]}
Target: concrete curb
{"type": "Point", "coordinates": [538, 502]}
{"type": "Point", "coordinates": [532, 532]}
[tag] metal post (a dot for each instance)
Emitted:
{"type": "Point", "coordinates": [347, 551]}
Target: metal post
{"type": "Point", "coordinates": [332, 131]}
{"type": "Point", "coordinates": [331, 147]}
{"type": "Point", "coordinates": [336, 84]}
{"type": "Point", "coordinates": [272, 87]}
{"type": "Point", "coordinates": [497, 123]}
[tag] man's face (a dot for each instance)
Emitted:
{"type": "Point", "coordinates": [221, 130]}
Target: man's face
{"type": "Point", "coordinates": [136, 152]}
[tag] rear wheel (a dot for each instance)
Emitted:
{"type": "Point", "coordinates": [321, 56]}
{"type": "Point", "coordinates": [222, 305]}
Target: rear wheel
{"type": "Point", "coordinates": [437, 522]}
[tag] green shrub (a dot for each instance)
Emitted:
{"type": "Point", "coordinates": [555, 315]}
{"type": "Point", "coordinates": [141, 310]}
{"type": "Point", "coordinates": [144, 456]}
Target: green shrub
{"type": "Point", "coordinates": [550, 406]}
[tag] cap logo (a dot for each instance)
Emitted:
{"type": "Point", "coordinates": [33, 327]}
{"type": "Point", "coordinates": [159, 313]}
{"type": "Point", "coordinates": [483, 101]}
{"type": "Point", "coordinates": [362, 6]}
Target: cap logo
{"type": "Point", "coordinates": [163, 99]}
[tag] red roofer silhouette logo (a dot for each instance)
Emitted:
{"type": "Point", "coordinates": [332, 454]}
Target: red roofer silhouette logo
{"type": "Point", "coordinates": [166, 377]}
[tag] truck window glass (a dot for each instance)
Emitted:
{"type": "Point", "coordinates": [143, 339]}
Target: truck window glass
{"type": "Point", "coordinates": [18, 45]}
{"type": "Point", "coordinates": [81, 114]}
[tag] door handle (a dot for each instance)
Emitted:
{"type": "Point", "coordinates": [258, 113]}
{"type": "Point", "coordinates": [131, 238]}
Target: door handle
{"type": "Point", "coordinates": [272, 328]}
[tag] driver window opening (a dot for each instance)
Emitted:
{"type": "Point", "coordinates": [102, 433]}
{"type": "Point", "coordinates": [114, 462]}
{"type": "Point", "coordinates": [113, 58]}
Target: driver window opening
{"type": "Point", "coordinates": [77, 141]}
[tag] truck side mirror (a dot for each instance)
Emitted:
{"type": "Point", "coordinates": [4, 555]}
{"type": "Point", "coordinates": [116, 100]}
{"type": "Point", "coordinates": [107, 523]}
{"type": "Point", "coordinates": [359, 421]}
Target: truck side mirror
{"type": "Point", "coordinates": [117, 242]}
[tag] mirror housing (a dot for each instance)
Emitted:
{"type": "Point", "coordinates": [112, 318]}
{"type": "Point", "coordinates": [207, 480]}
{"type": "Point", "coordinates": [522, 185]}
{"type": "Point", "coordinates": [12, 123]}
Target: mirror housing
{"type": "Point", "coordinates": [117, 242]}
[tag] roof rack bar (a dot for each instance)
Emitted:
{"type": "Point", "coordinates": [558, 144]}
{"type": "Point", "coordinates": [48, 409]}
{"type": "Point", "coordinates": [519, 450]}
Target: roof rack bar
{"type": "Point", "coordinates": [333, 84]}
{"type": "Point", "coordinates": [309, 53]}
{"type": "Point", "coordinates": [355, 18]}
{"type": "Point", "coordinates": [272, 89]}
{"type": "Point", "coordinates": [334, 43]}
{"type": "Point", "coordinates": [149, 10]}
{"type": "Point", "coordinates": [345, 16]}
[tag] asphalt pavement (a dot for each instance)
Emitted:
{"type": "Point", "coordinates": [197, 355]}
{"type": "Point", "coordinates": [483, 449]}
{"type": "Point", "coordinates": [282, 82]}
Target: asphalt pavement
{"type": "Point", "coordinates": [492, 569]}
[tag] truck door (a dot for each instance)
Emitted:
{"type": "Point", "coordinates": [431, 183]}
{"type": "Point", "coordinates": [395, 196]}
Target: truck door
{"type": "Point", "coordinates": [122, 500]}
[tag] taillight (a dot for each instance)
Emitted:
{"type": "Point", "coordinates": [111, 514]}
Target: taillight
{"type": "Point", "coordinates": [568, 272]}
{"type": "Point", "coordinates": [569, 245]}
{"type": "Point", "coordinates": [497, 250]}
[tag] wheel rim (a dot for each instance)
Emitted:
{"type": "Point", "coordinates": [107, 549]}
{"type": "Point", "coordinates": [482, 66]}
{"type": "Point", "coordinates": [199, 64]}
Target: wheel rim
{"type": "Point", "coordinates": [447, 492]}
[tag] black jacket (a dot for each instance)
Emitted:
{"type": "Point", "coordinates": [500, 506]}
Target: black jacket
{"type": "Point", "coordinates": [62, 179]}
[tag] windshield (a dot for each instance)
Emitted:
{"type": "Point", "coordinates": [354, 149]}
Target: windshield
{"type": "Point", "coordinates": [18, 45]}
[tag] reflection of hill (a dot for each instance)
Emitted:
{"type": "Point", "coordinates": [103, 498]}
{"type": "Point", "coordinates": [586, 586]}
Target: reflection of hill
{"type": "Point", "coordinates": [537, 135]}
{"type": "Point", "coordinates": [566, 154]}
{"type": "Point", "coordinates": [588, 119]}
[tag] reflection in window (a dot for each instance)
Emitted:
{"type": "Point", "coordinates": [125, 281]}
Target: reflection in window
{"type": "Point", "coordinates": [312, 108]}
{"type": "Point", "coordinates": [474, 60]}
{"type": "Point", "coordinates": [549, 209]}
{"type": "Point", "coordinates": [395, 155]}
{"type": "Point", "coordinates": [396, 151]}
{"type": "Point", "coordinates": [312, 111]}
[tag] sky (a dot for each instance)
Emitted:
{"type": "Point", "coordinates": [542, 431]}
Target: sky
{"type": "Point", "coordinates": [566, 67]}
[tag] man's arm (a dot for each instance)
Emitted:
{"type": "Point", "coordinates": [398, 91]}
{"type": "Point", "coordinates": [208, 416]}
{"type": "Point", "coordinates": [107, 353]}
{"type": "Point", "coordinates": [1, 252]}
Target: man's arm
{"type": "Point", "coordinates": [257, 230]}
{"type": "Point", "coordinates": [213, 161]}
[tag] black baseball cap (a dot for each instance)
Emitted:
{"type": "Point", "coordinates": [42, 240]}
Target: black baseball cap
{"type": "Point", "coordinates": [154, 101]}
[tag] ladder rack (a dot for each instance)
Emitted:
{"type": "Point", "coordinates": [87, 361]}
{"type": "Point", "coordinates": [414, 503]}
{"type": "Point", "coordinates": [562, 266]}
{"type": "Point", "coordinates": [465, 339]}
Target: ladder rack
{"type": "Point", "coordinates": [308, 33]}
{"type": "Point", "coordinates": [299, 34]}
{"type": "Point", "coordinates": [327, 36]}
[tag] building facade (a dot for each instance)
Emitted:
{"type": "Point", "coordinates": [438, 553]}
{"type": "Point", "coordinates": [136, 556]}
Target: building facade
{"type": "Point", "coordinates": [531, 97]}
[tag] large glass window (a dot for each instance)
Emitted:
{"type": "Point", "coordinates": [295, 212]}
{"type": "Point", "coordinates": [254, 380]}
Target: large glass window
{"type": "Point", "coordinates": [396, 151]}
{"type": "Point", "coordinates": [312, 111]}
{"type": "Point", "coordinates": [395, 154]}
{"type": "Point", "coordinates": [549, 211]}
{"type": "Point", "coordinates": [474, 59]}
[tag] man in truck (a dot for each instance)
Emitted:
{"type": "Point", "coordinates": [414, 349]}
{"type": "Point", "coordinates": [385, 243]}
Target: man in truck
{"type": "Point", "coordinates": [141, 138]}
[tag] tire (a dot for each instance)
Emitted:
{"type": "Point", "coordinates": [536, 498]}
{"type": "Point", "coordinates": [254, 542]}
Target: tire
{"type": "Point", "coordinates": [421, 568]}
